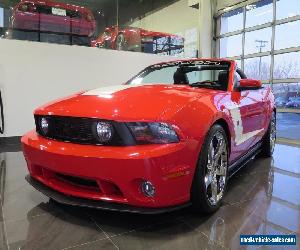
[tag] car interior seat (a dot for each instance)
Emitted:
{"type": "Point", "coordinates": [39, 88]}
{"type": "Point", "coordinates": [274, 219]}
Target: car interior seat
{"type": "Point", "coordinates": [180, 77]}
{"type": "Point", "coordinates": [223, 79]}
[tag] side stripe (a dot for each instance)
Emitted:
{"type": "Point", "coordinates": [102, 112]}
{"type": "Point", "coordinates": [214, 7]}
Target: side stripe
{"type": "Point", "coordinates": [236, 117]}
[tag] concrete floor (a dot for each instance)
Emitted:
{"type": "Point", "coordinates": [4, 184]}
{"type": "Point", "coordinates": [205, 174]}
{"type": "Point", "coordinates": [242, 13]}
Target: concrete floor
{"type": "Point", "coordinates": [263, 198]}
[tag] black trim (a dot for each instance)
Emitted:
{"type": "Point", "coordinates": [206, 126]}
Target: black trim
{"type": "Point", "coordinates": [239, 88]}
{"type": "Point", "coordinates": [87, 129]}
{"type": "Point", "coordinates": [10, 144]}
{"type": "Point", "coordinates": [2, 115]}
{"type": "Point", "coordinates": [241, 73]}
{"type": "Point", "coordinates": [125, 133]}
{"type": "Point", "coordinates": [10, 140]}
{"type": "Point", "coordinates": [74, 201]}
{"type": "Point", "coordinates": [72, 39]}
{"type": "Point", "coordinates": [243, 160]}
{"type": "Point", "coordinates": [50, 32]}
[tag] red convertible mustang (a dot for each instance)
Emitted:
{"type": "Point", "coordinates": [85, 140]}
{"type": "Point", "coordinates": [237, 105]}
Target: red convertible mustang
{"type": "Point", "coordinates": [169, 137]}
{"type": "Point", "coordinates": [136, 39]}
{"type": "Point", "coordinates": [50, 16]}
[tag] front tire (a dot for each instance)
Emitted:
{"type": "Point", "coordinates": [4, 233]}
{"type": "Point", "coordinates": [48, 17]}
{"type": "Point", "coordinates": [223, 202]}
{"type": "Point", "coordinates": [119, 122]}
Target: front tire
{"type": "Point", "coordinates": [210, 179]}
{"type": "Point", "coordinates": [121, 43]}
{"type": "Point", "coordinates": [269, 140]}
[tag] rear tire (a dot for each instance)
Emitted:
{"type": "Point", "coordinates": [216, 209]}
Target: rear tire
{"type": "Point", "coordinates": [269, 140]}
{"type": "Point", "coordinates": [210, 178]}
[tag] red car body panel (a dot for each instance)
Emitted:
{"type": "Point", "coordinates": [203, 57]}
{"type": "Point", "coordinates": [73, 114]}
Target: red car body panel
{"type": "Point", "coordinates": [107, 166]}
{"type": "Point", "coordinates": [119, 170]}
{"type": "Point", "coordinates": [133, 36]}
{"type": "Point", "coordinates": [33, 20]}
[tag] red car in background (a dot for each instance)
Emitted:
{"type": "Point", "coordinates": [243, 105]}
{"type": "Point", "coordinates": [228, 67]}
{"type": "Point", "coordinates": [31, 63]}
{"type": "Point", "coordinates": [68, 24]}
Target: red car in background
{"type": "Point", "coordinates": [137, 39]}
{"type": "Point", "coordinates": [49, 16]}
{"type": "Point", "coordinates": [169, 137]}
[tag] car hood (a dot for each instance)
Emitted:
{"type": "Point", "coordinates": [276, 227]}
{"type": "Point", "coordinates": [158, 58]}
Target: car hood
{"type": "Point", "coordinates": [127, 102]}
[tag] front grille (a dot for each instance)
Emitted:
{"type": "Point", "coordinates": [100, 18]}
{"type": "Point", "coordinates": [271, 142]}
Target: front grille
{"type": "Point", "coordinates": [74, 129]}
{"type": "Point", "coordinates": [78, 181]}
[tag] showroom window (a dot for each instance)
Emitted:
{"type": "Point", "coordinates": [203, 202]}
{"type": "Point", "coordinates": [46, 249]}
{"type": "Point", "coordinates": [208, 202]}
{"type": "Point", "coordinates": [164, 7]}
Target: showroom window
{"type": "Point", "coordinates": [287, 8]}
{"type": "Point", "coordinates": [263, 36]}
{"type": "Point", "coordinates": [259, 13]}
{"type": "Point", "coordinates": [1, 22]}
{"type": "Point", "coordinates": [232, 21]}
{"type": "Point", "coordinates": [1, 17]}
{"type": "Point", "coordinates": [258, 67]}
{"type": "Point", "coordinates": [227, 50]}
{"type": "Point", "coordinates": [132, 25]}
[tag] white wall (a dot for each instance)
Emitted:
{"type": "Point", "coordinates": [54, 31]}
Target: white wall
{"type": "Point", "coordinates": [206, 14]}
{"type": "Point", "coordinates": [177, 18]}
{"type": "Point", "coordinates": [32, 74]}
{"type": "Point", "coordinates": [180, 18]}
{"type": "Point", "coordinates": [173, 18]}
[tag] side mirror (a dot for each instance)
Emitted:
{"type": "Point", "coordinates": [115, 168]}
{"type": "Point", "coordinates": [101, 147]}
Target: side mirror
{"type": "Point", "coordinates": [246, 84]}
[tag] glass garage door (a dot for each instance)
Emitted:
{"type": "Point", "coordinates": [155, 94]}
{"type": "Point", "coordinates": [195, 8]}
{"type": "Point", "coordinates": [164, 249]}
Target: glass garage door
{"type": "Point", "coordinates": [263, 36]}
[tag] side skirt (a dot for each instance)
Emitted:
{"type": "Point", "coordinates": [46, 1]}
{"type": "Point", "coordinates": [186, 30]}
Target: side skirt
{"type": "Point", "coordinates": [242, 161]}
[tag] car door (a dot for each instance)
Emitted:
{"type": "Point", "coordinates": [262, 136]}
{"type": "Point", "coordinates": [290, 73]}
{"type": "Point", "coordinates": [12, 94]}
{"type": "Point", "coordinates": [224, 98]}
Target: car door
{"type": "Point", "coordinates": [254, 117]}
{"type": "Point", "coordinates": [247, 113]}
{"type": "Point", "coordinates": [253, 109]}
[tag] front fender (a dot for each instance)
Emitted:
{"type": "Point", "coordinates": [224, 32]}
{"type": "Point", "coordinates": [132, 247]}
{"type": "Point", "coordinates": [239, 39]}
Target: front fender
{"type": "Point", "coordinates": [197, 117]}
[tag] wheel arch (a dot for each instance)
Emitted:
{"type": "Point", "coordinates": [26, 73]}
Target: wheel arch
{"type": "Point", "coordinates": [197, 186]}
{"type": "Point", "coordinates": [222, 122]}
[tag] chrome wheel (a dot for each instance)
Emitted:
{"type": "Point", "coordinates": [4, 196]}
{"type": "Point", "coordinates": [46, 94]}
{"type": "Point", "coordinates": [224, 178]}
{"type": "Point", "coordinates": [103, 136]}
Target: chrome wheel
{"type": "Point", "coordinates": [216, 169]}
{"type": "Point", "coordinates": [120, 42]}
{"type": "Point", "coordinates": [273, 133]}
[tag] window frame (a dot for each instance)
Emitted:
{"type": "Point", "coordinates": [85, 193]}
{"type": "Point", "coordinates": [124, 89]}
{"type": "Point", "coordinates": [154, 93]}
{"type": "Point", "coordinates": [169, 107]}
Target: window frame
{"type": "Point", "coordinates": [273, 52]}
{"type": "Point", "coordinates": [178, 63]}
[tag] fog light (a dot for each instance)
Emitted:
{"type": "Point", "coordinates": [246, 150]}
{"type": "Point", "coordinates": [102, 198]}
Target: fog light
{"type": "Point", "coordinates": [148, 189]}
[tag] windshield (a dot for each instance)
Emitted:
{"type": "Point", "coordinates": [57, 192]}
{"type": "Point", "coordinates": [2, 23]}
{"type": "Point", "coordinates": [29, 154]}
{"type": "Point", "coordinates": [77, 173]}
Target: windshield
{"type": "Point", "coordinates": [205, 74]}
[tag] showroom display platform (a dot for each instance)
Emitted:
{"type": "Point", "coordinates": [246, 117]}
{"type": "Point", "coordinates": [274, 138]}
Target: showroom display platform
{"type": "Point", "coordinates": [263, 198]}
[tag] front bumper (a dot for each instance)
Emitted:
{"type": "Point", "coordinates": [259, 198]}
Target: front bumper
{"type": "Point", "coordinates": [110, 206]}
{"type": "Point", "coordinates": [111, 176]}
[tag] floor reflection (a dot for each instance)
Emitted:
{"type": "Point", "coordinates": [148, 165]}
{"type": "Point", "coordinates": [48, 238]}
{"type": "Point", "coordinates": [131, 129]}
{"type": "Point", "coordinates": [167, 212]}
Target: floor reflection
{"type": "Point", "coordinates": [3, 240]}
{"type": "Point", "coordinates": [262, 198]}
{"type": "Point", "coordinates": [288, 125]}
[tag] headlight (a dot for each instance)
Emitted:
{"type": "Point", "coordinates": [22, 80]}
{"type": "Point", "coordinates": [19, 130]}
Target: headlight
{"type": "Point", "coordinates": [153, 133]}
{"type": "Point", "coordinates": [44, 125]}
{"type": "Point", "coordinates": [104, 131]}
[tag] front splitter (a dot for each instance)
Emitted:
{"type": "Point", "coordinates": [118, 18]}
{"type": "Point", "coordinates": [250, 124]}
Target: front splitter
{"type": "Point", "coordinates": [102, 205]}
